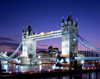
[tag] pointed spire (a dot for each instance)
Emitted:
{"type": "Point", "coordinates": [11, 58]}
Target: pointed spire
{"type": "Point", "coordinates": [35, 31]}
{"type": "Point", "coordinates": [29, 28]}
{"type": "Point", "coordinates": [70, 17]}
{"type": "Point", "coordinates": [76, 25]}
{"type": "Point", "coordinates": [70, 14]}
{"type": "Point", "coordinates": [77, 21]}
{"type": "Point", "coordinates": [23, 29]}
{"type": "Point", "coordinates": [63, 19]}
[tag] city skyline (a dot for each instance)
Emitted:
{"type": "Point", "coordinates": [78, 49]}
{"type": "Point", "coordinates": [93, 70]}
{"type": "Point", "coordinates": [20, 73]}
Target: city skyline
{"type": "Point", "coordinates": [46, 16]}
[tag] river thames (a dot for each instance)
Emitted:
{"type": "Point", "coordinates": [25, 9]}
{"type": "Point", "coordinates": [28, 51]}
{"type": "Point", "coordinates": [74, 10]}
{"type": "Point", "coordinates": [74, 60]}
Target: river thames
{"type": "Point", "coordinates": [45, 67]}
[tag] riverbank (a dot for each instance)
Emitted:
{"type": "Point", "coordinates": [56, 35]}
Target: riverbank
{"type": "Point", "coordinates": [45, 74]}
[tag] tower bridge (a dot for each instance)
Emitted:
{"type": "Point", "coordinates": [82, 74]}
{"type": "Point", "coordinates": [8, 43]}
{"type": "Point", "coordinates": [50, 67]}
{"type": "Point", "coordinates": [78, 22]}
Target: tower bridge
{"type": "Point", "coordinates": [70, 39]}
{"type": "Point", "coordinates": [69, 45]}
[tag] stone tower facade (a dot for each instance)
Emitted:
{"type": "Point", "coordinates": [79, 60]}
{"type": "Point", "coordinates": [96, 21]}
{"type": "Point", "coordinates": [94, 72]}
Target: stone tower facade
{"type": "Point", "coordinates": [69, 43]}
{"type": "Point", "coordinates": [29, 45]}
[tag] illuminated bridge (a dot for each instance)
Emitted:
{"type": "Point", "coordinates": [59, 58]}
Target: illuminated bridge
{"type": "Point", "coordinates": [70, 40]}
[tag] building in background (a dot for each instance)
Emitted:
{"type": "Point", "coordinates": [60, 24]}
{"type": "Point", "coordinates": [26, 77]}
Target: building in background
{"type": "Point", "coordinates": [44, 54]}
{"type": "Point", "coordinates": [52, 52]}
{"type": "Point", "coordinates": [88, 53]}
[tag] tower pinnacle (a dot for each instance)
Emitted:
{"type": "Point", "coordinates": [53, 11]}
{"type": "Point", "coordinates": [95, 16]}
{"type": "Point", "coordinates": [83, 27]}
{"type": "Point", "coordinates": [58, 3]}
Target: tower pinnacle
{"type": "Point", "coordinates": [35, 31]}
{"type": "Point", "coordinates": [63, 19]}
{"type": "Point", "coordinates": [23, 29]}
{"type": "Point", "coordinates": [70, 14]}
{"type": "Point", "coordinates": [70, 17]}
{"type": "Point", "coordinates": [77, 21]}
{"type": "Point", "coordinates": [76, 25]}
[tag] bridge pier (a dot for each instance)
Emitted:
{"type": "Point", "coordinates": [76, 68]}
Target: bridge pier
{"type": "Point", "coordinates": [25, 61]}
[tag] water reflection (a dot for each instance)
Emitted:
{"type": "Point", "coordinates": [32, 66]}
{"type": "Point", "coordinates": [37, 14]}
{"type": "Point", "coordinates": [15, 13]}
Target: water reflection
{"type": "Point", "coordinates": [20, 68]}
{"type": "Point", "coordinates": [45, 67]}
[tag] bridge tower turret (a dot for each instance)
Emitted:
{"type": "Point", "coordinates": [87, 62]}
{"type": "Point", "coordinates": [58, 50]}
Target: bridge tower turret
{"type": "Point", "coordinates": [29, 45]}
{"type": "Point", "coordinates": [69, 44]}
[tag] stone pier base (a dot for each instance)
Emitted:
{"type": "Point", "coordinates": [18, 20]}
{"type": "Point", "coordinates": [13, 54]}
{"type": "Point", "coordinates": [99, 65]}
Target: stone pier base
{"type": "Point", "coordinates": [25, 61]}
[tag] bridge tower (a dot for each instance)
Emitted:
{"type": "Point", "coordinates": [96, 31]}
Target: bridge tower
{"type": "Point", "coordinates": [69, 44]}
{"type": "Point", "coordinates": [29, 45]}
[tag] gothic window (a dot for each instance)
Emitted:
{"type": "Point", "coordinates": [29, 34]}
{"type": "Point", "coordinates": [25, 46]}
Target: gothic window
{"type": "Point", "coordinates": [65, 29]}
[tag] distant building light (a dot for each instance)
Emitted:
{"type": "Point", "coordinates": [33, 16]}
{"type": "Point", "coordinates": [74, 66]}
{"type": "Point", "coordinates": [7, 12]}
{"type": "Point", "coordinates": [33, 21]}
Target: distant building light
{"type": "Point", "coordinates": [23, 71]}
{"type": "Point", "coordinates": [10, 72]}
{"type": "Point", "coordinates": [82, 61]}
{"type": "Point", "coordinates": [67, 60]}
{"type": "Point", "coordinates": [39, 56]}
{"type": "Point", "coordinates": [62, 60]}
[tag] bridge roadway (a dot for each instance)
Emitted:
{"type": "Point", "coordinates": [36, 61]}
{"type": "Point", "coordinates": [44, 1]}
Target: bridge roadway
{"type": "Point", "coordinates": [14, 59]}
{"type": "Point", "coordinates": [48, 35]}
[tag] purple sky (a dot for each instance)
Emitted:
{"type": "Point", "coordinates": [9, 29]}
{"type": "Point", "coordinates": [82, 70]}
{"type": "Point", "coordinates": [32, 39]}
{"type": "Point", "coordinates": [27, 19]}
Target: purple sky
{"type": "Point", "coordinates": [46, 16]}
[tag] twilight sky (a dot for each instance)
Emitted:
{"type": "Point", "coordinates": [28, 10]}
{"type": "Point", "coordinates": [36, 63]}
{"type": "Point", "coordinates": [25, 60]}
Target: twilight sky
{"type": "Point", "coordinates": [46, 16]}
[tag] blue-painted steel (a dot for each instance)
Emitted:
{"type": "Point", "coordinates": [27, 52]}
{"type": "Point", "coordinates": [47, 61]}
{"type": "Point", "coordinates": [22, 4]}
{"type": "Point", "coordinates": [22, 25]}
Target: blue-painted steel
{"type": "Point", "coordinates": [87, 58]}
{"type": "Point", "coordinates": [88, 42]}
{"type": "Point", "coordinates": [15, 51]}
{"type": "Point", "coordinates": [90, 47]}
{"type": "Point", "coordinates": [84, 44]}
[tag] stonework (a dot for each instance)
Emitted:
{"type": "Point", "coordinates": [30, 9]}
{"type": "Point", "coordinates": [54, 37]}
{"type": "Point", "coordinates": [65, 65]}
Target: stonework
{"type": "Point", "coordinates": [69, 44]}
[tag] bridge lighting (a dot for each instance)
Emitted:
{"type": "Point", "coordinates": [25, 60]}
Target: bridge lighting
{"type": "Point", "coordinates": [61, 60]}
{"type": "Point", "coordinates": [10, 72]}
{"type": "Point", "coordinates": [74, 39]}
{"type": "Point", "coordinates": [82, 61]}
{"type": "Point", "coordinates": [53, 67]}
{"type": "Point", "coordinates": [67, 60]}
{"type": "Point", "coordinates": [84, 68]}
{"type": "Point", "coordinates": [42, 33]}
{"type": "Point", "coordinates": [49, 70]}
{"type": "Point", "coordinates": [88, 68]}
{"type": "Point", "coordinates": [40, 67]}
{"type": "Point", "coordinates": [23, 71]}
{"type": "Point", "coordinates": [51, 31]}
{"type": "Point", "coordinates": [39, 56]}
{"type": "Point", "coordinates": [40, 62]}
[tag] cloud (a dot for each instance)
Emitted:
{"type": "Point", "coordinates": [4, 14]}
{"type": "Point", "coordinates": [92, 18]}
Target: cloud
{"type": "Point", "coordinates": [8, 42]}
{"type": "Point", "coordinates": [41, 49]}
{"type": "Point", "coordinates": [44, 45]}
{"type": "Point", "coordinates": [12, 46]}
{"type": "Point", "coordinates": [5, 39]}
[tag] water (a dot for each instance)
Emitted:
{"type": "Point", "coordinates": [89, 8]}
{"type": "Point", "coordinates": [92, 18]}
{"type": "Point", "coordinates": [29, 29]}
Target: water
{"type": "Point", "coordinates": [27, 68]}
